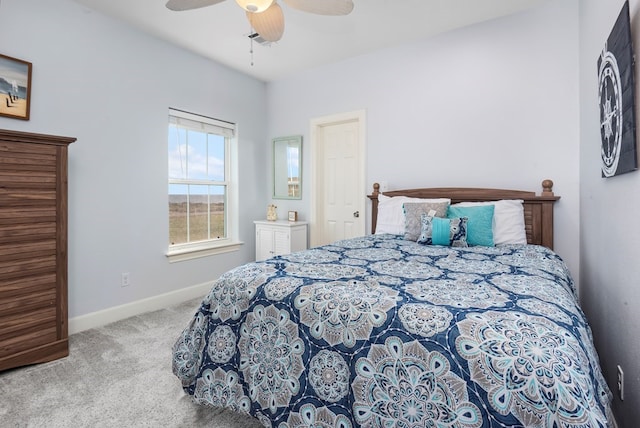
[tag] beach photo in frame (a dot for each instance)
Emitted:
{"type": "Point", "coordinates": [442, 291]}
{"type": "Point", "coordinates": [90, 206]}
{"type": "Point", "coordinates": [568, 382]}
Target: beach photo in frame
{"type": "Point", "coordinates": [15, 87]}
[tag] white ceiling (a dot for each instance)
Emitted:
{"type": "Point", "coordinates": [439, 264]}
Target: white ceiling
{"type": "Point", "coordinates": [220, 32]}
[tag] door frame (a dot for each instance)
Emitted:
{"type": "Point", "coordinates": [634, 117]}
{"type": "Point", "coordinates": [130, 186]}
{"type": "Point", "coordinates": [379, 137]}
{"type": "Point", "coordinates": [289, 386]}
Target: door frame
{"type": "Point", "coordinates": [316, 124]}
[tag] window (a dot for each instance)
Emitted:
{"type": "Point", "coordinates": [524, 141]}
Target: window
{"type": "Point", "coordinates": [202, 207]}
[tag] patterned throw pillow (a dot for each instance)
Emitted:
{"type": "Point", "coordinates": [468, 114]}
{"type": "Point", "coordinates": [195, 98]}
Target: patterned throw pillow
{"type": "Point", "coordinates": [443, 231]}
{"type": "Point", "coordinates": [412, 219]}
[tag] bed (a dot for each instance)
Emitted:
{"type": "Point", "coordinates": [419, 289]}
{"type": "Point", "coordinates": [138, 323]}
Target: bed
{"type": "Point", "coordinates": [392, 330]}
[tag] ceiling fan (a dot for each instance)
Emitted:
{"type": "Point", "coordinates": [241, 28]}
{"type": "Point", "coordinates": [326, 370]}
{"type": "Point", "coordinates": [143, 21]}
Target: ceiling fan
{"type": "Point", "coordinates": [266, 17]}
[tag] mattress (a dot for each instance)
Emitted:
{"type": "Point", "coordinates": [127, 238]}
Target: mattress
{"type": "Point", "coordinates": [379, 331]}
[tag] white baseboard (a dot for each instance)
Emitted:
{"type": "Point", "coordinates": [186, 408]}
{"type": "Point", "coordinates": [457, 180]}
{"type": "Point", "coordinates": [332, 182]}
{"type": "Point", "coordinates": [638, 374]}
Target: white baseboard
{"type": "Point", "coordinates": [106, 316]}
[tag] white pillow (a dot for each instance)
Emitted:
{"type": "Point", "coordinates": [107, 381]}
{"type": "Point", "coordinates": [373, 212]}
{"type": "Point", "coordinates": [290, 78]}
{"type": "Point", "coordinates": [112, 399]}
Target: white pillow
{"type": "Point", "coordinates": [391, 214]}
{"type": "Point", "coordinates": [508, 220]}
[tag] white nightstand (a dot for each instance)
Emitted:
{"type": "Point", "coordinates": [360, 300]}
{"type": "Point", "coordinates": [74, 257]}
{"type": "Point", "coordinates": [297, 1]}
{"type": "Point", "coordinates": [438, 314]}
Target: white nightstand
{"type": "Point", "coordinates": [274, 238]}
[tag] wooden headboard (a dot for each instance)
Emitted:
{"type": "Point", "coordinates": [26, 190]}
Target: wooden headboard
{"type": "Point", "coordinates": [538, 210]}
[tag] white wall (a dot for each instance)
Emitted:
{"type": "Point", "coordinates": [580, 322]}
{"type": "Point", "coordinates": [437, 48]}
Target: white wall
{"type": "Point", "coordinates": [492, 105]}
{"type": "Point", "coordinates": [110, 86]}
{"type": "Point", "coordinates": [609, 209]}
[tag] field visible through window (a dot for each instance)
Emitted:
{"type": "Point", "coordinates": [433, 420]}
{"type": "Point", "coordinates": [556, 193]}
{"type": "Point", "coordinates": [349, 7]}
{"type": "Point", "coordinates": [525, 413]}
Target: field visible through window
{"type": "Point", "coordinates": [197, 225]}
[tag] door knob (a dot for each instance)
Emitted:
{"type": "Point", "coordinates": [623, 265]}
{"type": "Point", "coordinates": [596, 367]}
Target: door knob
{"type": "Point", "coordinates": [356, 214]}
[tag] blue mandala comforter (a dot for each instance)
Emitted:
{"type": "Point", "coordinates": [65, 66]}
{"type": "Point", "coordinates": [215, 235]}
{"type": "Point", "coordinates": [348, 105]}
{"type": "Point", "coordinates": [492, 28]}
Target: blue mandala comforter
{"type": "Point", "coordinates": [381, 332]}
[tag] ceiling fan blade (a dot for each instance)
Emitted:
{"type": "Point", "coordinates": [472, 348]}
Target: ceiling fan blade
{"type": "Point", "coordinates": [269, 24]}
{"type": "Point", "coordinates": [322, 7]}
{"type": "Point", "coordinates": [180, 5]}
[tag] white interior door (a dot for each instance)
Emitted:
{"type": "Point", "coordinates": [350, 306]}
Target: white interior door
{"type": "Point", "coordinates": [338, 195]}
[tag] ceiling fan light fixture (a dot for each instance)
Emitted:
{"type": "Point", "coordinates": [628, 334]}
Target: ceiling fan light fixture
{"type": "Point", "coordinates": [268, 24]}
{"type": "Point", "coordinates": [255, 6]}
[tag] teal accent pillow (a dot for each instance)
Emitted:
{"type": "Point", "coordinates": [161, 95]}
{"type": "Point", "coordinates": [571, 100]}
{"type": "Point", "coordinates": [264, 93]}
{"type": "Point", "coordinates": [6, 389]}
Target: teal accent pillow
{"type": "Point", "coordinates": [443, 231]}
{"type": "Point", "coordinates": [480, 224]}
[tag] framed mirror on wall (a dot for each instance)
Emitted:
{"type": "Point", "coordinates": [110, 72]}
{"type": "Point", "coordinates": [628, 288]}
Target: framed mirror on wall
{"type": "Point", "coordinates": [287, 167]}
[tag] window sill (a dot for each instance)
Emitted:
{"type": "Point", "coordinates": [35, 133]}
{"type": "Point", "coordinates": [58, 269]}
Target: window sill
{"type": "Point", "coordinates": [195, 251]}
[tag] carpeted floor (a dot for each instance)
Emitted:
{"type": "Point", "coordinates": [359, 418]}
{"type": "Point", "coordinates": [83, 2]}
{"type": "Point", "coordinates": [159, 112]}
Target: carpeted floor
{"type": "Point", "coordinates": [118, 375]}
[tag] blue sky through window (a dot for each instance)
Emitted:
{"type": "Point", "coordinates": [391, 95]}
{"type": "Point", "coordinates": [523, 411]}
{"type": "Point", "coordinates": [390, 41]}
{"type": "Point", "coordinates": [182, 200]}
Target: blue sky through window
{"type": "Point", "coordinates": [195, 155]}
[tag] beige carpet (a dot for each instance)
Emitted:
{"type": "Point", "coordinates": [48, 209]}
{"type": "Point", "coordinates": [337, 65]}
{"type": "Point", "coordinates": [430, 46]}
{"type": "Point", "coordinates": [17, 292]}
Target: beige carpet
{"type": "Point", "coordinates": [118, 375]}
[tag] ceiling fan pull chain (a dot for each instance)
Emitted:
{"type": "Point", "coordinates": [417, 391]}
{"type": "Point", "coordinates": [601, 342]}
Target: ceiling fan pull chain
{"type": "Point", "coordinates": [251, 31]}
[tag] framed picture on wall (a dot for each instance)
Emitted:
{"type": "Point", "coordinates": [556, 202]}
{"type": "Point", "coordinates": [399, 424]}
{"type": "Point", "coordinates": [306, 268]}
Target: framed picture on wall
{"type": "Point", "coordinates": [15, 87]}
{"type": "Point", "coordinates": [616, 98]}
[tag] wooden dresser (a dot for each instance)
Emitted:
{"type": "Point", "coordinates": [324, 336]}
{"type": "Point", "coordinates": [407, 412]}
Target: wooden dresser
{"type": "Point", "coordinates": [33, 248]}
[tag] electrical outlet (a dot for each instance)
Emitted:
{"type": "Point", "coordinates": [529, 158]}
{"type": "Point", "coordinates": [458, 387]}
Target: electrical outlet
{"type": "Point", "coordinates": [126, 279]}
{"type": "Point", "coordinates": [620, 383]}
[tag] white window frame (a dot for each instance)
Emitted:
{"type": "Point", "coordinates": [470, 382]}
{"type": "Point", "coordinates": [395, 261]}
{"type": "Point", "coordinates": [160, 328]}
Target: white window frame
{"type": "Point", "coordinates": [192, 250]}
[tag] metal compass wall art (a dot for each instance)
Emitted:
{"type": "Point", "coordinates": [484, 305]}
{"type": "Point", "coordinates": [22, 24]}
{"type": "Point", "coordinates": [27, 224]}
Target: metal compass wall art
{"type": "Point", "coordinates": [616, 98]}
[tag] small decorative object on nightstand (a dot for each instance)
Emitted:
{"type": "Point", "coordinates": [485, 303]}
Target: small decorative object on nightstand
{"type": "Point", "coordinates": [272, 214]}
{"type": "Point", "coordinates": [293, 215]}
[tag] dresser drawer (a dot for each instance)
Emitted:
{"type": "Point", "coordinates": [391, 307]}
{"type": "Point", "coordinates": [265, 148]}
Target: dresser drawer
{"type": "Point", "coordinates": [24, 303]}
{"type": "Point", "coordinates": [27, 315]}
{"type": "Point", "coordinates": [27, 267]}
{"type": "Point", "coordinates": [12, 233]}
{"type": "Point", "coordinates": [25, 339]}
